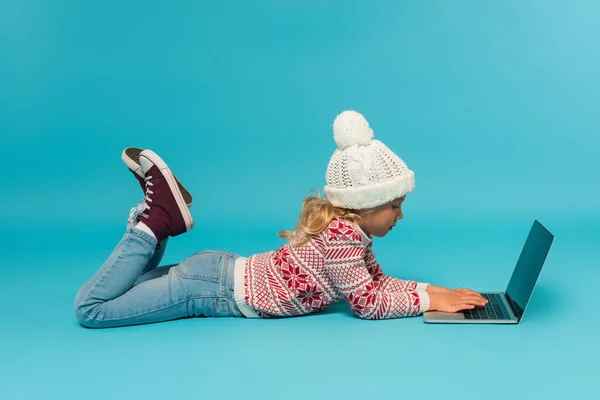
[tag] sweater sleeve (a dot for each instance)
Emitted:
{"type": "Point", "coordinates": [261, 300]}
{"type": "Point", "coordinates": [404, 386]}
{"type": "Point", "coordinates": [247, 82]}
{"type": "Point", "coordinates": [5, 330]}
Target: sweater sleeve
{"type": "Point", "coordinates": [368, 298]}
{"type": "Point", "coordinates": [389, 283]}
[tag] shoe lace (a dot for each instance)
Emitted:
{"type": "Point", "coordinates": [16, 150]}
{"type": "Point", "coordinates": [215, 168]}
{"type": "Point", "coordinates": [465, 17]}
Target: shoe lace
{"type": "Point", "coordinates": [142, 206]}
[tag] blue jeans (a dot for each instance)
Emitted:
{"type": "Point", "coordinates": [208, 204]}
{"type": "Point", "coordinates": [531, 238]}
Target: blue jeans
{"type": "Point", "coordinates": [129, 289]}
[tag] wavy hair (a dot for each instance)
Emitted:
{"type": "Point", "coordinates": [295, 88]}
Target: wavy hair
{"type": "Point", "coordinates": [317, 212]}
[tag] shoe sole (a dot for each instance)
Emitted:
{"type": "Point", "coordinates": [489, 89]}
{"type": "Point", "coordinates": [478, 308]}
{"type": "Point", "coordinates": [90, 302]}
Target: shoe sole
{"type": "Point", "coordinates": [130, 157]}
{"type": "Point", "coordinates": [170, 178]}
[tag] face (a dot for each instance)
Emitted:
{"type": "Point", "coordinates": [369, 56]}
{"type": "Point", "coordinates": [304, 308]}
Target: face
{"type": "Point", "coordinates": [380, 220]}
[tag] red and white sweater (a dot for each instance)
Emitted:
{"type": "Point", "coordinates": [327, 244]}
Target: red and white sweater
{"type": "Point", "coordinates": [337, 263]}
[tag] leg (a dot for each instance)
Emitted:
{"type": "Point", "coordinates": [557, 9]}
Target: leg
{"type": "Point", "coordinates": [156, 258]}
{"type": "Point", "coordinates": [107, 299]}
{"type": "Point", "coordinates": [154, 273]}
{"type": "Point", "coordinates": [160, 248]}
{"type": "Point", "coordinates": [201, 285]}
{"type": "Point", "coordinates": [115, 277]}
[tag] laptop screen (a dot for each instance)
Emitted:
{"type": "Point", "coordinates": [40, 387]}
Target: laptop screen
{"type": "Point", "coordinates": [529, 265]}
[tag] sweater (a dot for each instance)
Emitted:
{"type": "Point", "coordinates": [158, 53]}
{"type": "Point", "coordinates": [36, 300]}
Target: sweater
{"type": "Point", "coordinates": [336, 264]}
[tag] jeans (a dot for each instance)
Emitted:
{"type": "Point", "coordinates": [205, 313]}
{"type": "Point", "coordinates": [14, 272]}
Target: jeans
{"type": "Point", "coordinates": [129, 289]}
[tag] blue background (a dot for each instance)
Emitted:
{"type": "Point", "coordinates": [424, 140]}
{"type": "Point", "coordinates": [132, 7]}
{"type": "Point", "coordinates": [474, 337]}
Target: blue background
{"type": "Point", "coordinates": [494, 105]}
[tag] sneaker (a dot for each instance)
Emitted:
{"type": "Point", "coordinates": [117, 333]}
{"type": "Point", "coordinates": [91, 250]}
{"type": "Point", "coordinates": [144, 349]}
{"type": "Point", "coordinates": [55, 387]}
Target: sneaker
{"type": "Point", "coordinates": [164, 210]}
{"type": "Point", "coordinates": [131, 158]}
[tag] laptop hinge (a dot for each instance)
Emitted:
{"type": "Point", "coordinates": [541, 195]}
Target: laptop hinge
{"type": "Point", "coordinates": [517, 310]}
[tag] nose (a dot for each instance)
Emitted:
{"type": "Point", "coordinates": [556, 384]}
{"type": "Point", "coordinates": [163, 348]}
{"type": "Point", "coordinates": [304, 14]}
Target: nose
{"type": "Point", "coordinates": [399, 215]}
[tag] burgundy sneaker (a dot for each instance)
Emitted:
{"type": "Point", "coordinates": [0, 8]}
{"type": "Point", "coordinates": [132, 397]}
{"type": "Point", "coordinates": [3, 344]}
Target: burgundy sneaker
{"type": "Point", "coordinates": [131, 158]}
{"type": "Point", "coordinates": [164, 210]}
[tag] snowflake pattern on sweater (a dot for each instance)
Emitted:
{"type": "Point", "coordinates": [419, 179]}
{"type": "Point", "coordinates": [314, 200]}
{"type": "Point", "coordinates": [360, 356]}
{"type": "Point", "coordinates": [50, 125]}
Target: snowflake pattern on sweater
{"type": "Point", "coordinates": [335, 264]}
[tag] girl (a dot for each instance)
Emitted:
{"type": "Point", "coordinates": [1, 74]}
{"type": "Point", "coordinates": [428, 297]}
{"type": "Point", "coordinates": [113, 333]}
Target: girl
{"type": "Point", "coordinates": [328, 257]}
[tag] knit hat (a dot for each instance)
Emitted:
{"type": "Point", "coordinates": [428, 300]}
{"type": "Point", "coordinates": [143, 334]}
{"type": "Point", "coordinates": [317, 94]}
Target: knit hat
{"type": "Point", "coordinates": [363, 172]}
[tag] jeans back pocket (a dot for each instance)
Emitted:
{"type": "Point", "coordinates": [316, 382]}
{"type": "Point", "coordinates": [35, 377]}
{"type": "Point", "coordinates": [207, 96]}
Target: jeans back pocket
{"type": "Point", "coordinates": [204, 266]}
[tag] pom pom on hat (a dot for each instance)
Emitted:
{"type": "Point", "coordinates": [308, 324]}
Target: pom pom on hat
{"type": "Point", "coordinates": [351, 128]}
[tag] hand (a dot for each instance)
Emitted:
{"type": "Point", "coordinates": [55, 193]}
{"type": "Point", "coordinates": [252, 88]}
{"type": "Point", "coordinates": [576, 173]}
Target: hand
{"type": "Point", "coordinates": [455, 300]}
{"type": "Point", "coordinates": [467, 291]}
{"type": "Point", "coordinates": [439, 289]}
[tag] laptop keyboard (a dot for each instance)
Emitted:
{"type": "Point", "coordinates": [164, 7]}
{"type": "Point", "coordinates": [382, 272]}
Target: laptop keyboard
{"type": "Point", "coordinates": [493, 310]}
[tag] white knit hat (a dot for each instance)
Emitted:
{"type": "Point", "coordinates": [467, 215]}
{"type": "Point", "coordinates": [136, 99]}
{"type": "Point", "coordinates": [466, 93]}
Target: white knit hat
{"type": "Point", "coordinates": [363, 172]}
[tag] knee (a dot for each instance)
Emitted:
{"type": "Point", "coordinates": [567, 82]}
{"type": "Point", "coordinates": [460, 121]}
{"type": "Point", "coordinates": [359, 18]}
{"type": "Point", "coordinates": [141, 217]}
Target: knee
{"type": "Point", "coordinates": [81, 315]}
{"type": "Point", "coordinates": [87, 314]}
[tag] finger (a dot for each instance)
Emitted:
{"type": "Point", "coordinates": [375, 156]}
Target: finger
{"type": "Point", "coordinates": [473, 292]}
{"type": "Point", "coordinates": [462, 291]}
{"type": "Point", "coordinates": [473, 299]}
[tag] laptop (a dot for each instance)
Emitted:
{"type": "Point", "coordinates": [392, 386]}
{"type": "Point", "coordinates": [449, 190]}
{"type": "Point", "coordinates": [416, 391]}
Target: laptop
{"type": "Point", "coordinates": [506, 307]}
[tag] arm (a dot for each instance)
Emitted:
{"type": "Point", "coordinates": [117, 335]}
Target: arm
{"type": "Point", "coordinates": [369, 298]}
{"type": "Point", "coordinates": [437, 289]}
{"type": "Point", "coordinates": [392, 284]}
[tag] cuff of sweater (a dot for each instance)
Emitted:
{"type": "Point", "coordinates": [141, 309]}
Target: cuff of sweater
{"type": "Point", "coordinates": [421, 286]}
{"type": "Point", "coordinates": [423, 301]}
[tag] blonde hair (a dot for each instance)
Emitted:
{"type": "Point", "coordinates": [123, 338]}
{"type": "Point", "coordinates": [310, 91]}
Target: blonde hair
{"type": "Point", "coordinates": [317, 212]}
